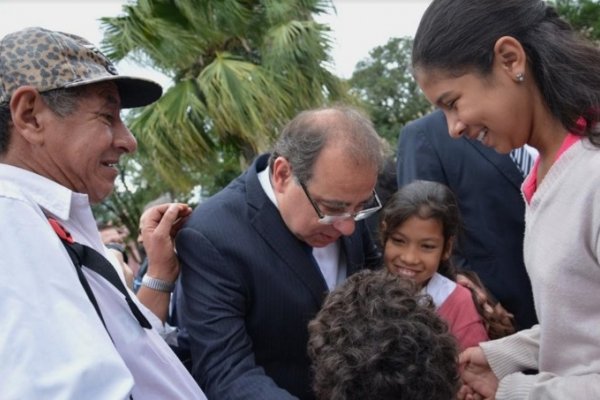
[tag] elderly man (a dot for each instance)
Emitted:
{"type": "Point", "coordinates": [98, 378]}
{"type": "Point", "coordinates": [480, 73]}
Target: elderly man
{"type": "Point", "coordinates": [259, 257]}
{"type": "Point", "coordinates": [70, 329]}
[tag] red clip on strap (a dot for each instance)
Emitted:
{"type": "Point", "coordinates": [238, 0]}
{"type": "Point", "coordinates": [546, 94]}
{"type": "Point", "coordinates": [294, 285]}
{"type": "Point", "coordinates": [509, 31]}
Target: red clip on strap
{"type": "Point", "coordinates": [61, 231]}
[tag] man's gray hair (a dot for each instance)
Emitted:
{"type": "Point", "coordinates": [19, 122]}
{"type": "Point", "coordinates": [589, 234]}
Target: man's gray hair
{"type": "Point", "coordinates": [304, 137]}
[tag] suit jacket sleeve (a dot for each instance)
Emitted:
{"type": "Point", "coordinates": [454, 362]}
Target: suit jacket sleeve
{"type": "Point", "coordinates": [215, 295]}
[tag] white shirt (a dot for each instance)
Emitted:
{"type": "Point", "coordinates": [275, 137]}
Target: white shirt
{"type": "Point", "coordinates": [53, 344]}
{"type": "Point", "coordinates": [439, 288]}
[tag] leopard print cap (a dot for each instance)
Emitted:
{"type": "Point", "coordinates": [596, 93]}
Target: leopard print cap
{"type": "Point", "coordinates": [51, 60]}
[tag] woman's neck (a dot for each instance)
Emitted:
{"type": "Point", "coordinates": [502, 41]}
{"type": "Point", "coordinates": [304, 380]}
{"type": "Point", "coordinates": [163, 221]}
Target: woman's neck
{"type": "Point", "coordinates": [547, 137]}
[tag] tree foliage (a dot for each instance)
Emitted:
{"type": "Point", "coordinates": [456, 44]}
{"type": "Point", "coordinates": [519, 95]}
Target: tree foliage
{"type": "Point", "coordinates": [384, 82]}
{"type": "Point", "coordinates": [240, 70]}
{"type": "Point", "coordinates": [583, 15]}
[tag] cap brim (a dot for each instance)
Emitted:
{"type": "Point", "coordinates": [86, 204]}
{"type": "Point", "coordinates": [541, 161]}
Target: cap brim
{"type": "Point", "coordinates": [137, 92]}
{"type": "Point", "coordinates": [134, 92]}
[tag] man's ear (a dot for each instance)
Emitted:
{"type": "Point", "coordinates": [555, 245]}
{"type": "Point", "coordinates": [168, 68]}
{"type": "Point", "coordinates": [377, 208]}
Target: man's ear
{"type": "Point", "coordinates": [26, 106]}
{"type": "Point", "coordinates": [511, 57]}
{"type": "Point", "coordinates": [281, 174]}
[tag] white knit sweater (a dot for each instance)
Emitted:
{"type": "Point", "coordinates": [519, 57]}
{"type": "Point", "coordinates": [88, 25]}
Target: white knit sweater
{"type": "Point", "coordinates": [562, 248]}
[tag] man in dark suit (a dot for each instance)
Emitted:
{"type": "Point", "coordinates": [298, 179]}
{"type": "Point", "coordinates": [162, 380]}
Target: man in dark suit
{"type": "Point", "coordinates": [259, 257]}
{"type": "Point", "coordinates": [487, 185]}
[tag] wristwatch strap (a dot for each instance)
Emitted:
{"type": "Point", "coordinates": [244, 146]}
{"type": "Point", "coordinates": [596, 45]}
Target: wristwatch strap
{"type": "Point", "coordinates": [157, 284]}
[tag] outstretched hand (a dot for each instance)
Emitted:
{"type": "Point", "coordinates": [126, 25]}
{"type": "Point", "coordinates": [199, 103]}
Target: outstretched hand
{"type": "Point", "coordinates": [158, 226]}
{"type": "Point", "coordinates": [479, 381]}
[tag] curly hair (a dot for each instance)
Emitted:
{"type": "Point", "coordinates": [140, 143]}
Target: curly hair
{"type": "Point", "coordinates": [376, 338]}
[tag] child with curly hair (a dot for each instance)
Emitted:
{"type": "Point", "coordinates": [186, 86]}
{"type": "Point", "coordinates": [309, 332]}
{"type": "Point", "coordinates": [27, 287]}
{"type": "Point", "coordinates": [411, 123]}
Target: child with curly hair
{"type": "Point", "coordinates": [377, 338]}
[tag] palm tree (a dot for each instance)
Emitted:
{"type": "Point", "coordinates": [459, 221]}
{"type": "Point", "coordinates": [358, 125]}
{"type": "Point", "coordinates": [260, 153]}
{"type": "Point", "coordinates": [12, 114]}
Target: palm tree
{"type": "Point", "coordinates": [240, 70]}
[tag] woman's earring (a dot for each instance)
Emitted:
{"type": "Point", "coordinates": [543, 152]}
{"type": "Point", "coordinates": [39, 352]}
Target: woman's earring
{"type": "Point", "coordinates": [520, 77]}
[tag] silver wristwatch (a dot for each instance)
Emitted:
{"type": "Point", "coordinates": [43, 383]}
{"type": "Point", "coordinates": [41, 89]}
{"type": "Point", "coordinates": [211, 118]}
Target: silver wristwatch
{"type": "Point", "coordinates": [157, 284]}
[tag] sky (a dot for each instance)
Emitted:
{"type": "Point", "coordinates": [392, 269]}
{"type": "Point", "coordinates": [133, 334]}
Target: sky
{"type": "Point", "coordinates": [357, 27]}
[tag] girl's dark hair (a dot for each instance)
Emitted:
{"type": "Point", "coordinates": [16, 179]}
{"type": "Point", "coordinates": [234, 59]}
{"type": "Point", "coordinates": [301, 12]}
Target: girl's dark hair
{"type": "Point", "coordinates": [435, 200]}
{"type": "Point", "coordinates": [497, 320]}
{"type": "Point", "coordinates": [426, 200]}
{"type": "Point", "coordinates": [458, 36]}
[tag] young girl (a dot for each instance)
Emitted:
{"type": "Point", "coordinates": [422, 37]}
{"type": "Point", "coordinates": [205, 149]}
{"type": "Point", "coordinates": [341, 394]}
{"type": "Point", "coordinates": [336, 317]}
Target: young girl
{"type": "Point", "coordinates": [508, 73]}
{"type": "Point", "coordinates": [419, 224]}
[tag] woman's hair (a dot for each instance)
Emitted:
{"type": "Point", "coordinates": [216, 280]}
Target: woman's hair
{"type": "Point", "coordinates": [458, 36]}
{"type": "Point", "coordinates": [426, 200]}
{"type": "Point", "coordinates": [375, 338]}
{"type": "Point", "coordinates": [497, 321]}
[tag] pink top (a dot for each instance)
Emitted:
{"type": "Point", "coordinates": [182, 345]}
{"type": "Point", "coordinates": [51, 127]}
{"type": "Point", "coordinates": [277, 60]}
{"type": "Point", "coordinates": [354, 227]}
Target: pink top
{"type": "Point", "coordinates": [459, 311]}
{"type": "Point", "coordinates": [530, 183]}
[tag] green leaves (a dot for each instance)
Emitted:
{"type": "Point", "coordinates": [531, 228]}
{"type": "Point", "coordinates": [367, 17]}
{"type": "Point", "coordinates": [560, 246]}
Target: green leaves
{"type": "Point", "coordinates": [240, 70]}
{"type": "Point", "coordinates": [583, 15]}
{"type": "Point", "coordinates": [385, 83]}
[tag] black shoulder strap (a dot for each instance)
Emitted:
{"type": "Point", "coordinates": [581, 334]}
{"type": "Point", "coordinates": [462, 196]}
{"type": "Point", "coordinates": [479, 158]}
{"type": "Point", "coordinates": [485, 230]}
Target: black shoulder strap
{"type": "Point", "coordinates": [85, 255]}
{"type": "Point", "coordinates": [86, 286]}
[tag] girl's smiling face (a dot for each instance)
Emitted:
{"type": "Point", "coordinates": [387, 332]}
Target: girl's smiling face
{"type": "Point", "coordinates": [416, 248]}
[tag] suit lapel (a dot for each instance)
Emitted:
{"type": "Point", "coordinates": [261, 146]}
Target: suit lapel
{"type": "Point", "coordinates": [267, 221]}
{"type": "Point", "coordinates": [352, 252]}
{"type": "Point", "coordinates": [502, 162]}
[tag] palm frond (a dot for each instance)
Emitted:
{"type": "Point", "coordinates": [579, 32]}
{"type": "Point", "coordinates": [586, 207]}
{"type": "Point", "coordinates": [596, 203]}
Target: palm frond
{"type": "Point", "coordinates": [240, 70]}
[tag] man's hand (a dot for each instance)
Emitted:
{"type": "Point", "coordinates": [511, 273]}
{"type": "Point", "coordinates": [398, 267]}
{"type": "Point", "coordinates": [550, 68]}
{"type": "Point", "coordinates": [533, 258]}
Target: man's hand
{"type": "Point", "coordinates": [158, 226]}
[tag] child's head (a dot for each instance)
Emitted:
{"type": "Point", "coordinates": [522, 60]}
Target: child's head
{"type": "Point", "coordinates": [375, 338]}
{"type": "Point", "coordinates": [419, 224]}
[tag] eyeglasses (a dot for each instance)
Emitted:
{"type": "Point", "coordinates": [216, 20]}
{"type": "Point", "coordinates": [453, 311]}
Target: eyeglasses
{"type": "Point", "coordinates": [332, 219]}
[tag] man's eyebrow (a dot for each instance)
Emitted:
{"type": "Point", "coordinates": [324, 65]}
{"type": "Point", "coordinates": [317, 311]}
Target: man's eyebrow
{"type": "Point", "coordinates": [335, 203]}
{"type": "Point", "coordinates": [111, 100]}
{"type": "Point", "coordinates": [341, 203]}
